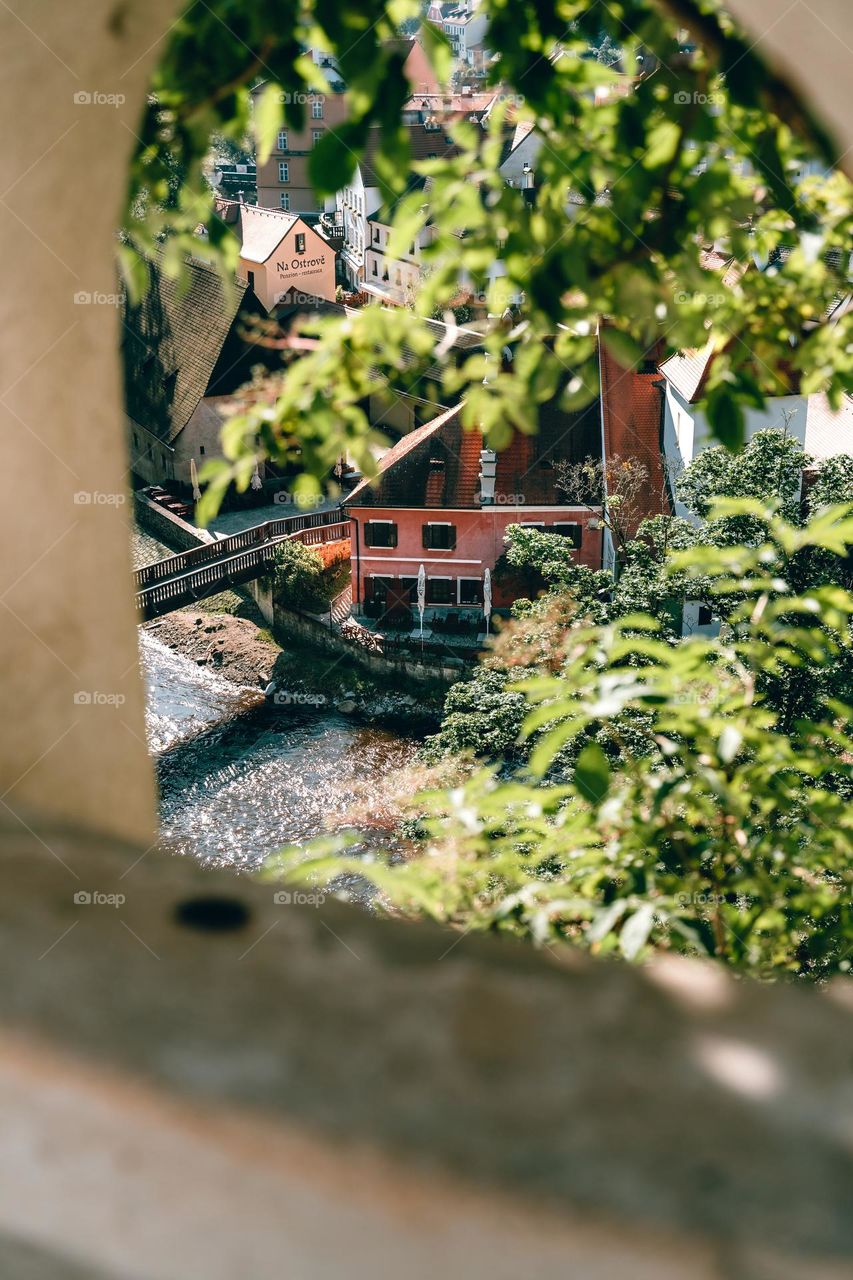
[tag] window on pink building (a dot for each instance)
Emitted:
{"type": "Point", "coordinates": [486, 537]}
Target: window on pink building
{"type": "Point", "coordinates": [470, 591]}
{"type": "Point", "coordinates": [380, 533]}
{"type": "Point", "coordinates": [569, 530]}
{"type": "Point", "coordinates": [440, 591]}
{"type": "Point", "coordinates": [439, 536]}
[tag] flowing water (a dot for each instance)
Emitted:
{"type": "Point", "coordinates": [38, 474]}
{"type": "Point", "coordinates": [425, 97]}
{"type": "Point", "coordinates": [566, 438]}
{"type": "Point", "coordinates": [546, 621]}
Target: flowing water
{"type": "Point", "coordinates": [239, 778]}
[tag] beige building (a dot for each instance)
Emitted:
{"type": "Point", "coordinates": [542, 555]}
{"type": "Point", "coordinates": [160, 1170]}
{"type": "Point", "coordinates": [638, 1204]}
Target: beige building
{"type": "Point", "coordinates": [283, 181]}
{"type": "Point", "coordinates": [283, 259]}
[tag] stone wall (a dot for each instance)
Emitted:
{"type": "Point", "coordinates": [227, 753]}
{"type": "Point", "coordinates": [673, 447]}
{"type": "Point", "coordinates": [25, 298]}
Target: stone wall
{"type": "Point", "coordinates": [401, 669]}
{"type": "Point", "coordinates": [165, 526]}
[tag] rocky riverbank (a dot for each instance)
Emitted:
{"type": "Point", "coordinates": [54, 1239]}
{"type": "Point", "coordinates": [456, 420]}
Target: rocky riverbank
{"type": "Point", "coordinates": [250, 656]}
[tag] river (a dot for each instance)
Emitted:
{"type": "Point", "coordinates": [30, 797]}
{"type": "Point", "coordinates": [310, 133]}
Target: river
{"type": "Point", "coordinates": [238, 779]}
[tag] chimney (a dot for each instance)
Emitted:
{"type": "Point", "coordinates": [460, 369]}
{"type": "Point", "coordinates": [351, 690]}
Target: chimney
{"type": "Point", "coordinates": [241, 197]}
{"type": "Point", "coordinates": [488, 469]}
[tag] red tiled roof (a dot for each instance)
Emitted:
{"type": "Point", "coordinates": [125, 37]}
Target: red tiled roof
{"type": "Point", "coordinates": [405, 446]}
{"type": "Point", "coordinates": [438, 464]}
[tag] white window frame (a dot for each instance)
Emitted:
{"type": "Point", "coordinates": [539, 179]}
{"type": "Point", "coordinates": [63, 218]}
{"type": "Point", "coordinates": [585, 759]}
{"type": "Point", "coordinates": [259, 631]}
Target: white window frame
{"type": "Point", "coordinates": [283, 171]}
{"type": "Point", "coordinates": [316, 136]}
{"type": "Point", "coordinates": [459, 582]}
{"type": "Point", "coordinates": [284, 200]}
{"type": "Point", "coordinates": [575, 524]}
{"type": "Point", "coordinates": [317, 109]}
{"type": "Point", "coordinates": [371, 546]}
{"type": "Point", "coordinates": [438, 577]}
{"type": "Point", "coordinates": [282, 140]}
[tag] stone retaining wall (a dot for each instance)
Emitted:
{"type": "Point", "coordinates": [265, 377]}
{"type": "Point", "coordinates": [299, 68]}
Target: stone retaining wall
{"type": "Point", "coordinates": [169, 528]}
{"type": "Point", "coordinates": [401, 668]}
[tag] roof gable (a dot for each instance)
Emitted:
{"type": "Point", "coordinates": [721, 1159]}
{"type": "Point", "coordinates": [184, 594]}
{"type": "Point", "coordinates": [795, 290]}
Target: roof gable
{"type": "Point", "coordinates": [172, 340]}
{"type": "Point", "coordinates": [262, 231]}
{"type": "Point", "coordinates": [438, 464]}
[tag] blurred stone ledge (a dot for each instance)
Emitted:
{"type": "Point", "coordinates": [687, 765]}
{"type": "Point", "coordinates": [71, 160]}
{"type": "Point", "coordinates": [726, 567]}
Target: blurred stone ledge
{"type": "Point", "coordinates": [200, 1081]}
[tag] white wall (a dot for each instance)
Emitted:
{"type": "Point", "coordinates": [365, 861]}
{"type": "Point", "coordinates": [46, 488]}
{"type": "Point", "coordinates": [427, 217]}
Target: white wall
{"type": "Point", "coordinates": [686, 431]}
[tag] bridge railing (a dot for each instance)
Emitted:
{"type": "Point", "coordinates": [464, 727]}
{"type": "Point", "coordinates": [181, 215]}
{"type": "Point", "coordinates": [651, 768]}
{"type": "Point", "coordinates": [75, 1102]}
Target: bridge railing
{"type": "Point", "coordinates": [193, 583]}
{"type": "Point", "coordinates": [209, 552]}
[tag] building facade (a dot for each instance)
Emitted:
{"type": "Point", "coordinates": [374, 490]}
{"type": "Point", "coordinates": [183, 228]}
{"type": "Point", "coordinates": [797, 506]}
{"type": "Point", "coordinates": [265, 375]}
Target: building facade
{"type": "Point", "coordinates": [283, 182]}
{"type": "Point", "coordinates": [283, 259]}
{"type": "Point", "coordinates": [393, 280]}
{"type": "Point", "coordinates": [443, 499]}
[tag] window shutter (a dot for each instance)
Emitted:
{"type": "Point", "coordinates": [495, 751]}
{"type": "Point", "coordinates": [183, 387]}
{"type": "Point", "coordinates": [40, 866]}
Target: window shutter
{"type": "Point", "coordinates": [368, 534]}
{"type": "Point", "coordinates": [451, 538]}
{"type": "Point", "coordinates": [425, 535]}
{"type": "Point", "coordinates": [392, 536]}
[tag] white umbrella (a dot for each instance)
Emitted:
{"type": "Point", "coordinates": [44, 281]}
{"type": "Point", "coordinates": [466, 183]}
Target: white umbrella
{"type": "Point", "coordinates": [421, 596]}
{"type": "Point", "coordinates": [256, 481]}
{"type": "Point", "coordinates": [194, 481]}
{"type": "Point", "coordinates": [487, 597]}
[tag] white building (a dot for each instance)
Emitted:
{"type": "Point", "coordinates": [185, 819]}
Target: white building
{"type": "Point", "coordinates": [394, 280]}
{"type": "Point", "coordinates": [465, 28]}
{"type": "Point", "coordinates": [355, 203]}
{"type": "Point", "coordinates": [822, 433]}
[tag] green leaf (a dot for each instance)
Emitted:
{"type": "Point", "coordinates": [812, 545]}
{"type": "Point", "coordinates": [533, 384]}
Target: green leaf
{"type": "Point", "coordinates": [636, 930]}
{"type": "Point", "coordinates": [268, 119]}
{"type": "Point", "coordinates": [663, 141]}
{"type": "Point", "coordinates": [624, 348]}
{"type": "Point", "coordinates": [437, 48]}
{"type": "Point", "coordinates": [606, 919]}
{"type": "Point", "coordinates": [592, 774]}
{"type": "Point", "coordinates": [725, 418]}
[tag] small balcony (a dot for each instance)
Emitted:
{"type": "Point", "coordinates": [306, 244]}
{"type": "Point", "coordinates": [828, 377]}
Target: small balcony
{"type": "Point", "coordinates": [332, 227]}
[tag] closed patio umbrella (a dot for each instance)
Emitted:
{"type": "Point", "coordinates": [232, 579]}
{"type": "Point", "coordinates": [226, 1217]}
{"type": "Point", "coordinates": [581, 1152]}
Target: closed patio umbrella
{"type": "Point", "coordinates": [194, 481]}
{"type": "Point", "coordinates": [487, 597]}
{"type": "Point", "coordinates": [421, 596]}
{"type": "Point", "coordinates": [256, 481]}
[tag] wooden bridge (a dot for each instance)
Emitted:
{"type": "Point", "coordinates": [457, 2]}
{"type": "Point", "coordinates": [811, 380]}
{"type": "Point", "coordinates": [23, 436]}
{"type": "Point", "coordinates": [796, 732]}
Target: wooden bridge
{"type": "Point", "coordinates": [191, 576]}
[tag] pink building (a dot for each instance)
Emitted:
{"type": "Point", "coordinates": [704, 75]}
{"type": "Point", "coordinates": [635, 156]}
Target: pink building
{"type": "Point", "coordinates": [442, 499]}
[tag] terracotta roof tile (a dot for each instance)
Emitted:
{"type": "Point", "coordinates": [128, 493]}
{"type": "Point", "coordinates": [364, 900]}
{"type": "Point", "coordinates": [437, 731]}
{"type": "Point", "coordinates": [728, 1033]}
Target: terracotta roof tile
{"type": "Point", "coordinates": [438, 464]}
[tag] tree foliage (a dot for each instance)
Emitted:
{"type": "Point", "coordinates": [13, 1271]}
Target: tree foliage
{"type": "Point", "coordinates": [706, 147]}
{"type": "Point", "coordinates": [301, 580]}
{"type": "Point", "coordinates": [719, 825]}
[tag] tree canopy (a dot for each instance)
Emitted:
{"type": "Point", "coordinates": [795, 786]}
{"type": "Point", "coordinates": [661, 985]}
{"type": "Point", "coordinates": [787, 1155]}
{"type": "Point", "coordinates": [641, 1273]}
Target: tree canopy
{"type": "Point", "coordinates": [639, 168]}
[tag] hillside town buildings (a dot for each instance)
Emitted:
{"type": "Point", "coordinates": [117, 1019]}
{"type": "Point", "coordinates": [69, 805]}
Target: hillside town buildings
{"type": "Point", "coordinates": [442, 498]}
